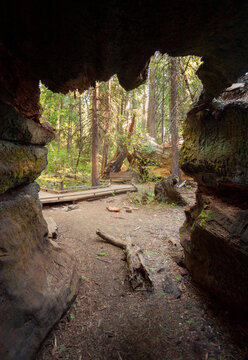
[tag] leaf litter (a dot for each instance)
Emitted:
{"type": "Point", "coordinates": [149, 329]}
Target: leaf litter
{"type": "Point", "coordinates": [105, 323]}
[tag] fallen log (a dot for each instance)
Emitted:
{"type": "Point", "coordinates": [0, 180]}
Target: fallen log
{"type": "Point", "coordinates": [139, 276]}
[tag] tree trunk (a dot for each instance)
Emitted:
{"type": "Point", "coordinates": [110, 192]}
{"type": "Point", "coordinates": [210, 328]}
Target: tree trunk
{"type": "Point", "coordinates": [174, 118]}
{"type": "Point", "coordinates": [116, 163]}
{"type": "Point", "coordinates": [69, 133]}
{"type": "Point", "coordinates": [80, 142]}
{"type": "Point", "coordinates": [192, 96]}
{"type": "Point", "coordinates": [105, 146]}
{"type": "Point", "coordinates": [95, 139]}
{"type": "Point", "coordinates": [80, 118]}
{"type": "Point", "coordinates": [151, 120]}
{"type": "Point", "coordinates": [144, 110]}
{"type": "Point", "coordinates": [162, 112]}
{"type": "Point", "coordinates": [59, 124]}
{"type": "Point", "coordinates": [126, 106]}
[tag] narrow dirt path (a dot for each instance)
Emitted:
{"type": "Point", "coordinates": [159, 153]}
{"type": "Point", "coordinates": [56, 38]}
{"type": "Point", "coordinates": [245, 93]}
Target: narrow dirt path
{"type": "Point", "coordinates": [110, 321]}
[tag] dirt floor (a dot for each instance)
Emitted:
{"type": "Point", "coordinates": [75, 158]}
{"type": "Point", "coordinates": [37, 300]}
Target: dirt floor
{"type": "Point", "coordinates": [108, 320]}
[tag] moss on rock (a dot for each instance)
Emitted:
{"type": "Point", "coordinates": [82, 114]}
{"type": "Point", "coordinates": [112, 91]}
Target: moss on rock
{"type": "Point", "coordinates": [20, 164]}
{"type": "Point", "coordinates": [215, 145]}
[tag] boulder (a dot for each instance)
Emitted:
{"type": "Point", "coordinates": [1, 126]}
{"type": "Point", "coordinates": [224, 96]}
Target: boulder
{"type": "Point", "coordinates": [215, 242]}
{"type": "Point", "coordinates": [38, 280]}
{"type": "Point", "coordinates": [20, 164]}
{"type": "Point", "coordinates": [14, 127]}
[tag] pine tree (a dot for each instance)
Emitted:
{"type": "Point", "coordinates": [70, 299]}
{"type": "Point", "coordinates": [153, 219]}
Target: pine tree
{"type": "Point", "coordinates": [95, 138]}
{"type": "Point", "coordinates": [174, 118]}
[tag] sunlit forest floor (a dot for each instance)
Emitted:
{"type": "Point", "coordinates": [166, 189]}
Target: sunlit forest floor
{"type": "Point", "coordinates": [110, 321]}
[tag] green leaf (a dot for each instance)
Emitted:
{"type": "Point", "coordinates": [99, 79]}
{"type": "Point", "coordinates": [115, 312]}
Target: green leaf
{"type": "Point", "coordinates": [84, 278]}
{"type": "Point", "coordinates": [72, 316]}
{"type": "Point", "coordinates": [178, 277]}
{"type": "Point", "coordinates": [101, 254]}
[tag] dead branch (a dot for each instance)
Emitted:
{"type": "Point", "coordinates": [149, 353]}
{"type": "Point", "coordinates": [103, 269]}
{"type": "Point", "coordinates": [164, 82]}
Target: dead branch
{"type": "Point", "coordinates": [139, 276]}
{"type": "Point", "coordinates": [110, 239]}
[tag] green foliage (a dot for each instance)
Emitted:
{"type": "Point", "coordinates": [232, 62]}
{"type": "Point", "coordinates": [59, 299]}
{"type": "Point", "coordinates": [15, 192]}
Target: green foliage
{"type": "Point", "coordinates": [71, 114]}
{"type": "Point", "coordinates": [101, 254]}
{"type": "Point", "coordinates": [205, 215]}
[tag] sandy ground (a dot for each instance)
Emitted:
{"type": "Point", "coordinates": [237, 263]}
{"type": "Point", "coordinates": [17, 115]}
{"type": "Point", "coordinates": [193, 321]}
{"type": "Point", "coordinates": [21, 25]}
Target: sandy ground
{"type": "Point", "coordinates": [108, 319]}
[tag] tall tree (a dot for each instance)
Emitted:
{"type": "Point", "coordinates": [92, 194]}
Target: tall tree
{"type": "Point", "coordinates": [95, 138]}
{"type": "Point", "coordinates": [80, 139]}
{"type": "Point", "coordinates": [105, 145]}
{"type": "Point", "coordinates": [144, 106]}
{"type": "Point", "coordinates": [151, 119]}
{"type": "Point", "coordinates": [174, 118]}
{"type": "Point", "coordinates": [58, 127]}
{"type": "Point", "coordinates": [162, 105]}
{"type": "Point", "coordinates": [69, 127]}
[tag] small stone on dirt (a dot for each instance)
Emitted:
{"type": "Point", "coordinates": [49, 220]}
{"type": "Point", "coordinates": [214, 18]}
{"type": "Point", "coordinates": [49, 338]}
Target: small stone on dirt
{"type": "Point", "coordinates": [113, 209]}
{"type": "Point", "coordinates": [171, 288]}
{"type": "Point", "coordinates": [72, 207]}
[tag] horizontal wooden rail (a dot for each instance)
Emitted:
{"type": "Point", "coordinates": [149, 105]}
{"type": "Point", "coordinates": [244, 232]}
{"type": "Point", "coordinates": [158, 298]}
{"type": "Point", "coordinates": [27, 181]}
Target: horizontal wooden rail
{"type": "Point", "coordinates": [86, 194]}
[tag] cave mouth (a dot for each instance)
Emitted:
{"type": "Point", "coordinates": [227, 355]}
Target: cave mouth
{"type": "Point", "coordinates": [72, 115]}
{"type": "Point", "coordinates": [87, 42]}
{"type": "Point", "coordinates": [193, 317]}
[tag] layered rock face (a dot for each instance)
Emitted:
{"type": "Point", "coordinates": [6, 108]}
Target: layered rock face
{"type": "Point", "coordinates": [38, 280]}
{"type": "Point", "coordinates": [215, 233]}
{"type": "Point", "coordinates": [70, 45]}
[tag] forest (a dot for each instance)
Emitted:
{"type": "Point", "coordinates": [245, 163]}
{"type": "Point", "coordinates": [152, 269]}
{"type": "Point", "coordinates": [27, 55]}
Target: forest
{"type": "Point", "coordinates": [93, 128]}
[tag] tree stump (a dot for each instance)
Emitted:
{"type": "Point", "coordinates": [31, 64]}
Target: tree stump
{"type": "Point", "coordinates": [167, 191]}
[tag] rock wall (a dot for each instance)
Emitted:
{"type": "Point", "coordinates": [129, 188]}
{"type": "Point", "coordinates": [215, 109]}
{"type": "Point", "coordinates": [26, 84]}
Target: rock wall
{"type": "Point", "coordinates": [70, 45]}
{"type": "Point", "coordinates": [215, 233]}
{"type": "Point", "coordinates": [38, 280]}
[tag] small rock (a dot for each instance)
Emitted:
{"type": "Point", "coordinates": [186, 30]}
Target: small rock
{"type": "Point", "coordinates": [113, 209]}
{"type": "Point", "coordinates": [183, 271]}
{"type": "Point", "coordinates": [171, 288]}
{"type": "Point", "coordinates": [161, 269]}
{"type": "Point", "coordinates": [72, 207]}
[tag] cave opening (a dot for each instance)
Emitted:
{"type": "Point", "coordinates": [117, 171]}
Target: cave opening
{"type": "Point", "coordinates": [72, 115]}
{"type": "Point", "coordinates": [71, 46]}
